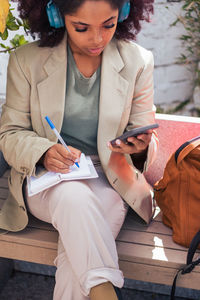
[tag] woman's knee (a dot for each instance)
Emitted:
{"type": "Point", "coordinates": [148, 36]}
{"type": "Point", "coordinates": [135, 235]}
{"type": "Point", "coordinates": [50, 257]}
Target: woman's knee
{"type": "Point", "coordinates": [115, 211]}
{"type": "Point", "coordinates": [72, 196]}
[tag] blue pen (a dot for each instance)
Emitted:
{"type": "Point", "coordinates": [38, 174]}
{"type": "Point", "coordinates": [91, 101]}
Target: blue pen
{"type": "Point", "coordinates": [58, 135]}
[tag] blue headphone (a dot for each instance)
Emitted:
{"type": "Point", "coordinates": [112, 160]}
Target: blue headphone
{"type": "Point", "coordinates": [54, 15]}
{"type": "Point", "coordinates": [124, 11]}
{"type": "Point", "coordinates": [56, 20]}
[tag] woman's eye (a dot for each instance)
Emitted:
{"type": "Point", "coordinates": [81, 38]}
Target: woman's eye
{"type": "Point", "coordinates": [80, 29]}
{"type": "Point", "coordinates": [109, 26]}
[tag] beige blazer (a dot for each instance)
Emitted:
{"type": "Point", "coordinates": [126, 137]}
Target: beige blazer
{"type": "Point", "coordinates": [36, 85]}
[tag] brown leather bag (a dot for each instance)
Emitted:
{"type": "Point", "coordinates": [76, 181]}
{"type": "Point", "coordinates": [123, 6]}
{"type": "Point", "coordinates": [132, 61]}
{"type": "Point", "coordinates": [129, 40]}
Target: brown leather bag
{"type": "Point", "coordinates": [178, 192]}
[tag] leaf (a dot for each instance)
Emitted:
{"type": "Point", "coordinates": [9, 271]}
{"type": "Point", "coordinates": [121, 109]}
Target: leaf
{"type": "Point", "coordinates": [4, 9]}
{"type": "Point", "coordinates": [4, 35]}
{"type": "Point", "coordinates": [15, 41]}
{"type": "Point", "coordinates": [12, 26]}
{"type": "Point", "coordinates": [3, 46]}
{"type": "Point", "coordinates": [26, 25]}
{"type": "Point", "coordinates": [185, 37]}
{"type": "Point", "coordinates": [19, 22]}
{"type": "Point", "coordinates": [175, 22]}
{"type": "Point", "coordinates": [18, 40]}
{"type": "Point", "coordinates": [22, 40]}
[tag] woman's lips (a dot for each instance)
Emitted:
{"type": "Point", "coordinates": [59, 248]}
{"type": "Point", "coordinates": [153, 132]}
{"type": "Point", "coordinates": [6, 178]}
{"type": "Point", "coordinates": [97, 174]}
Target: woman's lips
{"type": "Point", "coordinates": [95, 50]}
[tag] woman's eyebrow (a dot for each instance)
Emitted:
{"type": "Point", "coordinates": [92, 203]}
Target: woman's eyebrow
{"type": "Point", "coordinates": [111, 18]}
{"type": "Point", "coordinates": [85, 24]}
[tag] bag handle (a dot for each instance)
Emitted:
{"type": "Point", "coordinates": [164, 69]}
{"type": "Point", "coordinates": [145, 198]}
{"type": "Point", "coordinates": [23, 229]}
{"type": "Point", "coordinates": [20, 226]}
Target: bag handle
{"type": "Point", "coordinates": [190, 265]}
{"type": "Point", "coordinates": [185, 148]}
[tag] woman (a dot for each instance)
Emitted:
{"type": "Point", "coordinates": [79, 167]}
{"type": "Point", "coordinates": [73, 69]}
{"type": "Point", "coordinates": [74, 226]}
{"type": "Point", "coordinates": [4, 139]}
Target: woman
{"type": "Point", "coordinates": [93, 84]}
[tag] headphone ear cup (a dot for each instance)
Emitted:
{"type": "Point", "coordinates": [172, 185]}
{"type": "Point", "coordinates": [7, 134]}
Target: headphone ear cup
{"type": "Point", "coordinates": [54, 15]}
{"type": "Point", "coordinates": [49, 14]}
{"type": "Point", "coordinates": [124, 11]}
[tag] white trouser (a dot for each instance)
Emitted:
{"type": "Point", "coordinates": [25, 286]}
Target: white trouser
{"type": "Point", "coordinates": [88, 215]}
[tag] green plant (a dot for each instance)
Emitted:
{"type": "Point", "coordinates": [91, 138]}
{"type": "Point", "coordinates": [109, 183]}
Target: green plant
{"type": "Point", "coordinates": [191, 39]}
{"type": "Point", "coordinates": [11, 23]}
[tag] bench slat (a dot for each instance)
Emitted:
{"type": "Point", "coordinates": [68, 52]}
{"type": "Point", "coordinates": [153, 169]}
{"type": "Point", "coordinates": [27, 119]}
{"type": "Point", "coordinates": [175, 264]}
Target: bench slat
{"type": "Point", "coordinates": [27, 252]}
{"type": "Point", "coordinates": [33, 245]}
{"type": "Point", "coordinates": [3, 193]}
{"type": "Point", "coordinates": [135, 260]}
{"type": "Point", "coordinates": [1, 202]}
{"type": "Point", "coordinates": [38, 224]}
{"type": "Point", "coordinates": [154, 227]}
{"type": "Point", "coordinates": [157, 256]}
{"type": "Point", "coordinates": [32, 237]}
{"type": "Point", "coordinates": [149, 239]}
{"type": "Point", "coordinates": [129, 251]}
{"type": "Point", "coordinates": [3, 182]}
{"type": "Point", "coordinates": [6, 174]}
{"type": "Point", "coordinates": [157, 274]}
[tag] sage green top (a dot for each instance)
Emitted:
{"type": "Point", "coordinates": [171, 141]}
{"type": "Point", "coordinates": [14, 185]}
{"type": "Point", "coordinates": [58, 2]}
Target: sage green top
{"type": "Point", "coordinates": [80, 122]}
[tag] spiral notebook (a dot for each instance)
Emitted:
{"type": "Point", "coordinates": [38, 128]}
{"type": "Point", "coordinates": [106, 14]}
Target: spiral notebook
{"type": "Point", "coordinates": [86, 170]}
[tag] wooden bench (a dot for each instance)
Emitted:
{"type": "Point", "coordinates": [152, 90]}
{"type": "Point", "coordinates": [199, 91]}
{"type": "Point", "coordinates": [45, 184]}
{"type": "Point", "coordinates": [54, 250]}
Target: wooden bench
{"type": "Point", "coordinates": [146, 253]}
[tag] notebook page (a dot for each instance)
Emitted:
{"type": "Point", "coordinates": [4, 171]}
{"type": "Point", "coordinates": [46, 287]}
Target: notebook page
{"type": "Point", "coordinates": [38, 184]}
{"type": "Point", "coordinates": [76, 172]}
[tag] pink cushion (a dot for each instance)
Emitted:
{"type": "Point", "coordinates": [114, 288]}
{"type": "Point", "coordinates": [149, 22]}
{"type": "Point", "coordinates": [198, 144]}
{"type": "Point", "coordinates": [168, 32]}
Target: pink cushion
{"type": "Point", "coordinates": [173, 131]}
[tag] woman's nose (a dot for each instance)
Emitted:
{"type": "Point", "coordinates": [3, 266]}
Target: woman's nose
{"type": "Point", "coordinates": [97, 36]}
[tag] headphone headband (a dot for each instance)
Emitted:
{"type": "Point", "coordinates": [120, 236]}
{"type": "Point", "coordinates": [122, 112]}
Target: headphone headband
{"type": "Point", "coordinates": [56, 20]}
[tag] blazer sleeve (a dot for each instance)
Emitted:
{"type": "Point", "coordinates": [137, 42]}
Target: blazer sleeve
{"type": "Point", "coordinates": [143, 109]}
{"type": "Point", "coordinates": [21, 146]}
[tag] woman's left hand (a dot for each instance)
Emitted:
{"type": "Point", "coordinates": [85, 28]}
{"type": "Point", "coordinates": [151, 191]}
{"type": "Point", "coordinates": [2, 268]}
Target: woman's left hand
{"type": "Point", "coordinates": [134, 144]}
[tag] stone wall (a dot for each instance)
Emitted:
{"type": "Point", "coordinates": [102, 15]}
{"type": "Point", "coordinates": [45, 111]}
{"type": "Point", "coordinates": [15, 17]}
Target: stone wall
{"type": "Point", "coordinates": [173, 82]}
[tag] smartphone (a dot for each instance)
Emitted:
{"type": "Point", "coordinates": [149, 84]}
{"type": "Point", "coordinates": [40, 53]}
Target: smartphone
{"type": "Point", "coordinates": [134, 132]}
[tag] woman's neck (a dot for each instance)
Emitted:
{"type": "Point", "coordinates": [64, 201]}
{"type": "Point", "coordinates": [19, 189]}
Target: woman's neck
{"type": "Point", "coordinates": [86, 64]}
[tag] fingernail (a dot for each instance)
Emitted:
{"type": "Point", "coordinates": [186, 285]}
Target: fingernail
{"type": "Point", "coordinates": [118, 142]}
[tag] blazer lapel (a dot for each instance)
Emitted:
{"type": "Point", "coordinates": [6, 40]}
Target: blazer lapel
{"type": "Point", "coordinates": [113, 94]}
{"type": "Point", "coordinates": [51, 90]}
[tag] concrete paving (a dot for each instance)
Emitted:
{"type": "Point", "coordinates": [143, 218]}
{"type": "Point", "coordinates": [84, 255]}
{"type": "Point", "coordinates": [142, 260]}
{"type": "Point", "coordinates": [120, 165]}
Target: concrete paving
{"type": "Point", "coordinates": [6, 267]}
{"type": "Point", "coordinates": [27, 286]}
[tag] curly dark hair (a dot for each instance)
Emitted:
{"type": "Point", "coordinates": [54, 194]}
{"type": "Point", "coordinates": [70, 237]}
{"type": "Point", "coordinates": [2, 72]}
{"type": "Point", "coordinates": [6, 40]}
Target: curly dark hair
{"type": "Point", "coordinates": [34, 11]}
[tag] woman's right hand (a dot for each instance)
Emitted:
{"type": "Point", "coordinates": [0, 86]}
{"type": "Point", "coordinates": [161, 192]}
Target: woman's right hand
{"type": "Point", "coordinates": [58, 159]}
